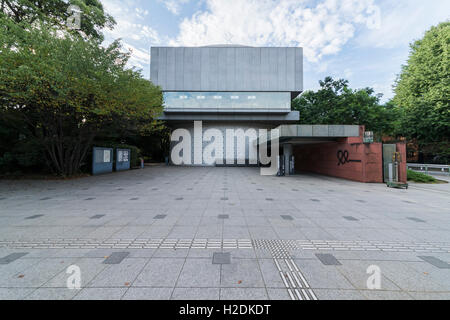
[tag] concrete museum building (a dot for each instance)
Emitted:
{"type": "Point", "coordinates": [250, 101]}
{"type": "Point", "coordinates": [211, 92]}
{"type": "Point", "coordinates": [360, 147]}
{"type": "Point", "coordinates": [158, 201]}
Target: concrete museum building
{"type": "Point", "coordinates": [247, 89]}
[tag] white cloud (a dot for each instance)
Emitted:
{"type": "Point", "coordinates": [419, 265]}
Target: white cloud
{"type": "Point", "coordinates": [140, 58]}
{"type": "Point", "coordinates": [321, 28]}
{"type": "Point", "coordinates": [174, 6]}
{"type": "Point", "coordinates": [385, 89]}
{"type": "Point", "coordinates": [130, 22]}
{"type": "Point", "coordinates": [132, 29]}
{"type": "Point", "coordinates": [404, 21]}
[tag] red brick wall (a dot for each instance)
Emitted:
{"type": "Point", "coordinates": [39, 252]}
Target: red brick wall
{"type": "Point", "coordinates": [323, 159]}
{"type": "Point", "coordinates": [402, 172]}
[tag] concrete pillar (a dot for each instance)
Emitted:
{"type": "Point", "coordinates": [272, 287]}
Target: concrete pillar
{"type": "Point", "coordinates": [287, 152]}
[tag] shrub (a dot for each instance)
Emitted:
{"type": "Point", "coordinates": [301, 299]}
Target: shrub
{"type": "Point", "coordinates": [420, 177]}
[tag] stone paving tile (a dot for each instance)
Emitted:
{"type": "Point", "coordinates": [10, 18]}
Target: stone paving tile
{"type": "Point", "coordinates": [356, 272]}
{"type": "Point", "coordinates": [235, 232]}
{"type": "Point", "coordinates": [160, 272]}
{"type": "Point", "coordinates": [18, 266]}
{"type": "Point", "coordinates": [270, 273]}
{"type": "Point", "coordinates": [243, 294]}
{"type": "Point", "coordinates": [100, 294]}
{"type": "Point", "coordinates": [241, 273]}
{"type": "Point", "coordinates": [52, 294]}
{"type": "Point", "coordinates": [242, 253]}
{"type": "Point", "coordinates": [119, 275]}
{"type": "Point", "coordinates": [434, 274]}
{"type": "Point", "coordinates": [199, 273]}
{"type": "Point", "coordinates": [320, 276]}
{"type": "Point", "coordinates": [14, 293]}
{"type": "Point", "coordinates": [171, 253]}
{"type": "Point", "coordinates": [185, 232]}
{"type": "Point", "coordinates": [37, 274]}
{"type": "Point", "coordinates": [196, 294]}
{"type": "Point", "coordinates": [209, 232]}
{"type": "Point", "coordinates": [409, 279]}
{"type": "Point", "coordinates": [430, 295]}
{"type": "Point", "coordinates": [148, 294]}
{"type": "Point", "coordinates": [89, 268]}
{"type": "Point", "coordinates": [278, 294]}
{"type": "Point", "coordinates": [333, 294]}
{"type": "Point", "coordinates": [386, 295]}
{"type": "Point", "coordinates": [317, 234]}
{"type": "Point", "coordinates": [262, 233]}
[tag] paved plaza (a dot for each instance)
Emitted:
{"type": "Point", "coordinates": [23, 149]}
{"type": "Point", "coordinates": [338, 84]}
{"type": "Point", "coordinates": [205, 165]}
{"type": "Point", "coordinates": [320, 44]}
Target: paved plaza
{"type": "Point", "coordinates": [222, 233]}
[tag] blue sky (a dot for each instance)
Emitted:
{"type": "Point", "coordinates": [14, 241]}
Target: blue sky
{"type": "Point", "coordinates": [364, 41]}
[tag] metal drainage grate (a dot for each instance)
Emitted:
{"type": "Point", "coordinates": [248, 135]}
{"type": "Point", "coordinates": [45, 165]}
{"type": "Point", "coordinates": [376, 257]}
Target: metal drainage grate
{"type": "Point", "coordinates": [116, 258]}
{"type": "Point", "coordinates": [417, 220]}
{"type": "Point", "coordinates": [34, 217]}
{"type": "Point", "coordinates": [221, 258]}
{"type": "Point", "coordinates": [328, 259]}
{"type": "Point", "coordinates": [97, 216]}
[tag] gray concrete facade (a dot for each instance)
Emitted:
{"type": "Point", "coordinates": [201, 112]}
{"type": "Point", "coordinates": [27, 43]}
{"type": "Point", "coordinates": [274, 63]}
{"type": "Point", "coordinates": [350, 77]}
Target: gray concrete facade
{"type": "Point", "coordinates": [235, 87]}
{"type": "Point", "coordinates": [299, 134]}
{"type": "Point", "coordinates": [230, 68]}
{"type": "Point", "coordinates": [227, 87]}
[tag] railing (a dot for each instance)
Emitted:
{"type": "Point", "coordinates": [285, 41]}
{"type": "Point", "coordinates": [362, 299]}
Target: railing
{"type": "Point", "coordinates": [429, 168]}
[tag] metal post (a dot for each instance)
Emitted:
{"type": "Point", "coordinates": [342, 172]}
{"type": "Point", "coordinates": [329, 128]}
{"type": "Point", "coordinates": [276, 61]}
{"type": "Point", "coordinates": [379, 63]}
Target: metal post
{"type": "Point", "coordinates": [391, 172]}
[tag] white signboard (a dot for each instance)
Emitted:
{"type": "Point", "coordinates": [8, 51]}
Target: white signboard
{"type": "Point", "coordinates": [123, 156]}
{"type": "Point", "coordinates": [107, 156]}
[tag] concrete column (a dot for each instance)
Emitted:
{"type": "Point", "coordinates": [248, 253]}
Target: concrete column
{"type": "Point", "coordinates": [287, 152]}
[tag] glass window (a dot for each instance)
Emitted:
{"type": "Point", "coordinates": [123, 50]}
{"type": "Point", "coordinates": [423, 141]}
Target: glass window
{"type": "Point", "coordinates": [263, 101]}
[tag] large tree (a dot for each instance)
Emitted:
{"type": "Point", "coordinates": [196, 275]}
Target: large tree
{"type": "Point", "coordinates": [336, 103]}
{"type": "Point", "coordinates": [56, 13]}
{"type": "Point", "coordinates": [422, 90]}
{"type": "Point", "coordinates": [67, 90]}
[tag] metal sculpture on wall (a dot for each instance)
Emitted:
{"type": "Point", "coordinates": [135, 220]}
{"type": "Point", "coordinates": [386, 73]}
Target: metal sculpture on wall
{"type": "Point", "coordinates": [343, 157]}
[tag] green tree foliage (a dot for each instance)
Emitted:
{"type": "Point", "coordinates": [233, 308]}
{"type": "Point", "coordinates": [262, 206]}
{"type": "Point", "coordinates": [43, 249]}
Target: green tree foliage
{"type": "Point", "coordinates": [422, 91]}
{"type": "Point", "coordinates": [336, 103]}
{"type": "Point", "coordinates": [67, 90]}
{"type": "Point", "coordinates": [17, 153]}
{"type": "Point", "coordinates": [55, 13]}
